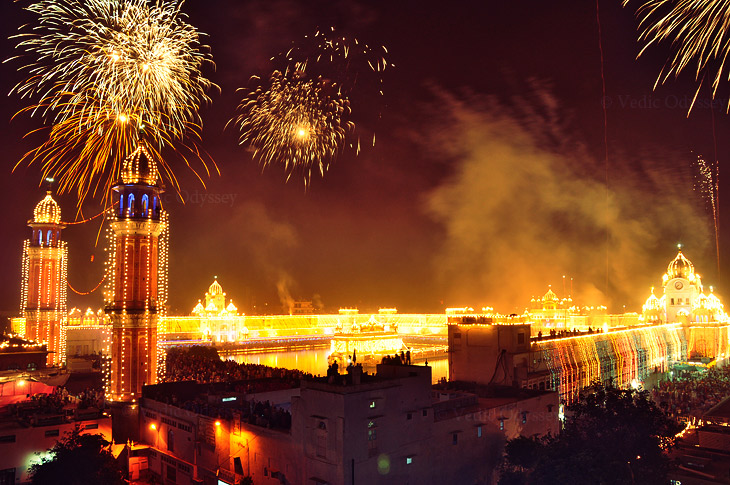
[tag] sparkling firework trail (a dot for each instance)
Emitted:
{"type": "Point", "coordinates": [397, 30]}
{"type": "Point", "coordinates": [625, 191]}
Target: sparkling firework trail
{"type": "Point", "coordinates": [707, 184]}
{"type": "Point", "coordinates": [108, 75]}
{"type": "Point", "coordinates": [300, 118]}
{"type": "Point", "coordinates": [698, 32]}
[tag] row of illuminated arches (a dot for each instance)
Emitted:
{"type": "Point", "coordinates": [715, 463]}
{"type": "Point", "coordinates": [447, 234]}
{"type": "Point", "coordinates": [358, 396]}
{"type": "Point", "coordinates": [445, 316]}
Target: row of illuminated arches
{"type": "Point", "coordinates": [131, 210]}
{"type": "Point", "coordinates": [50, 237]}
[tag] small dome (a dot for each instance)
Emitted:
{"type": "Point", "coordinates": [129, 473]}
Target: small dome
{"type": "Point", "coordinates": [198, 308]}
{"type": "Point", "coordinates": [652, 303]}
{"type": "Point", "coordinates": [215, 289]}
{"type": "Point", "coordinates": [47, 211]}
{"type": "Point", "coordinates": [231, 308]}
{"type": "Point", "coordinates": [139, 168]}
{"type": "Point", "coordinates": [681, 267]}
{"type": "Point", "coordinates": [550, 296]}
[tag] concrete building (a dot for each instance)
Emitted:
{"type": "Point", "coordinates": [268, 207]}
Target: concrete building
{"type": "Point", "coordinates": [390, 427]}
{"type": "Point", "coordinates": [30, 428]}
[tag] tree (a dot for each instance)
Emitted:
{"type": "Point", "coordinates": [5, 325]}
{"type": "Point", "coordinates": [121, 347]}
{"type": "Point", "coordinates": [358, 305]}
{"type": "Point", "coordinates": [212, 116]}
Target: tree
{"type": "Point", "coordinates": [78, 459]}
{"type": "Point", "coordinates": [611, 436]}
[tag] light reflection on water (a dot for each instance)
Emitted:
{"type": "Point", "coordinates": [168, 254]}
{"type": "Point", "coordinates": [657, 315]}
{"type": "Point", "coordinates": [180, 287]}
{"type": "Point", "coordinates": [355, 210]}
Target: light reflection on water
{"type": "Point", "coordinates": [314, 361]}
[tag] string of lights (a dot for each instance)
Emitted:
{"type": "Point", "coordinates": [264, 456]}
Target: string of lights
{"type": "Point", "coordinates": [103, 278]}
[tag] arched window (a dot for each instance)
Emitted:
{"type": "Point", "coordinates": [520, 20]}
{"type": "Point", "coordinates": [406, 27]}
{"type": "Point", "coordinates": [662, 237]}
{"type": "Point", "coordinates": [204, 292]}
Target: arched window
{"type": "Point", "coordinates": [130, 204]}
{"type": "Point", "coordinates": [40, 238]}
{"type": "Point", "coordinates": [48, 238]}
{"type": "Point", "coordinates": [170, 440]}
{"type": "Point", "coordinates": [154, 205]}
{"type": "Point", "coordinates": [145, 203]}
{"type": "Point", "coordinates": [121, 204]}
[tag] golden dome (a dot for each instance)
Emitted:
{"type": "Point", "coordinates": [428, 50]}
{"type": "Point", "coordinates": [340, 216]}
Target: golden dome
{"type": "Point", "coordinates": [681, 267]}
{"type": "Point", "coordinates": [550, 296]}
{"type": "Point", "coordinates": [215, 288]}
{"type": "Point", "coordinates": [139, 167]}
{"type": "Point", "coordinates": [47, 211]}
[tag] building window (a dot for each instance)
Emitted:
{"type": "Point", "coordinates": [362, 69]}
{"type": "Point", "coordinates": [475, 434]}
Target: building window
{"type": "Point", "coordinates": [409, 460]}
{"type": "Point", "coordinates": [454, 438]}
{"type": "Point", "coordinates": [501, 424]}
{"type": "Point", "coordinates": [92, 426]}
{"type": "Point", "coordinates": [170, 440]}
{"type": "Point", "coordinates": [425, 412]}
{"type": "Point", "coordinates": [322, 439]}
{"type": "Point", "coordinates": [671, 301]}
{"type": "Point", "coordinates": [372, 404]}
{"type": "Point", "coordinates": [171, 473]}
{"type": "Point", "coordinates": [130, 203]}
{"type": "Point", "coordinates": [479, 431]}
{"type": "Point", "coordinates": [51, 432]}
{"type": "Point", "coordinates": [524, 417]}
{"type": "Point", "coordinates": [8, 438]}
{"type": "Point", "coordinates": [145, 203]}
{"type": "Point", "coordinates": [409, 416]}
{"type": "Point", "coordinates": [372, 439]}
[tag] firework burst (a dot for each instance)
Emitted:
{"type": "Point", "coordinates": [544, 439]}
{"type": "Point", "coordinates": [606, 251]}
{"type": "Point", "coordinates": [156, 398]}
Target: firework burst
{"type": "Point", "coordinates": [698, 32]}
{"type": "Point", "coordinates": [109, 75]}
{"type": "Point", "coordinates": [302, 123]}
{"type": "Point", "coordinates": [301, 116]}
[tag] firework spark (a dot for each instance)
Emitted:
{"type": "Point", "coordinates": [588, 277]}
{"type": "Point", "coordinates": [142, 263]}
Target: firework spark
{"type": "Point", "coordinates": [301, 116]}
{"type": "Point", "coordinates": [698, 32]}
{"type": "Point", "coordinates": [108, 75]}
{"type": "Point", "coordinates": [706, 182]}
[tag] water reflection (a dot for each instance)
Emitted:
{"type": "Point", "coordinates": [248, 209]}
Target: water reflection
{"type": "Point", "coordinates": [314, 361]}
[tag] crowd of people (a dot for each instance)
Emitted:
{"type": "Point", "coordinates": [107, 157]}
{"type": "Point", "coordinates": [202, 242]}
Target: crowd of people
{"type": "Point", "coordinates": [58, 403]}
{"type": "Point", "coordinates": [567, 333]}
{"type": "Point", "coordinates": [689, 398]}
{"type": "Point", "coordinates": [203, 365]}
{"type": "Point", "coordinates": [404, 358]}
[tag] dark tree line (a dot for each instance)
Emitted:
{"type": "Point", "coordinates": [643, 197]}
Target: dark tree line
{"type": "Point", "coordinates": [611, 436]}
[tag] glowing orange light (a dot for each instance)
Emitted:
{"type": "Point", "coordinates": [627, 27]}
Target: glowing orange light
{"type": "Point", "coordinates": [153, 426]}
{"type": "Point", "coordinates": [217, 423]}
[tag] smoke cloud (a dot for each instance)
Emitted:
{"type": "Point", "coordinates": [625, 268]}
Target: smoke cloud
{"type": "Point", "coordinates": [527, 204]}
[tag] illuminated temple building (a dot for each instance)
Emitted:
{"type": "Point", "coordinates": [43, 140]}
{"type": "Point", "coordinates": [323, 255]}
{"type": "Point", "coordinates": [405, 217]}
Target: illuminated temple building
{"type": "Point", "coordinates": [217, 321]}
{"type": "Point", "coordinates": [136, 291]}
{"type": "Point", "coordinates": [45, 259]}
{"type": "Point", "coordinates": [684, 324]}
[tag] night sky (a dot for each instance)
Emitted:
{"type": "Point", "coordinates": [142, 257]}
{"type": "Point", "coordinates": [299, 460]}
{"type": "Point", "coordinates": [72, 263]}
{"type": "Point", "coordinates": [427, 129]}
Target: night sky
{"type": "Point", "coordinates": [487, 182]}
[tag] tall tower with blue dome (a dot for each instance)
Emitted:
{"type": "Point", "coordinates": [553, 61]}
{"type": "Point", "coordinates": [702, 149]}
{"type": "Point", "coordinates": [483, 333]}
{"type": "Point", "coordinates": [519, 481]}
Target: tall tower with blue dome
{"type": "Point", "coordinates": [136, 281]}
{"type": "Point", "coordinates": [43, 293]}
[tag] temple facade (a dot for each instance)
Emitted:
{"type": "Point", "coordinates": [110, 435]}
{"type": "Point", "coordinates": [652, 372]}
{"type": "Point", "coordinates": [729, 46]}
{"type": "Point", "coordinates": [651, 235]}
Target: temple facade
{"type": "Point", "coordinates": [683, 299]}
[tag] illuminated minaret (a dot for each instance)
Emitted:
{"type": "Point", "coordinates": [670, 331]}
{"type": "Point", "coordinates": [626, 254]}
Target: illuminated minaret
{"type": "Point", "coordinates": [45, 259]}
{"type": "Point", "coordinates": [136, 290]}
